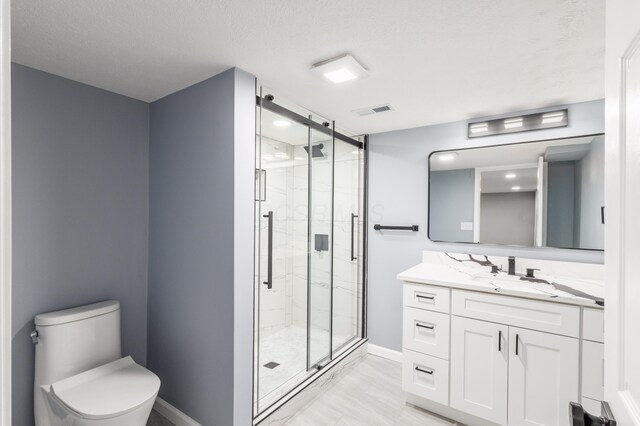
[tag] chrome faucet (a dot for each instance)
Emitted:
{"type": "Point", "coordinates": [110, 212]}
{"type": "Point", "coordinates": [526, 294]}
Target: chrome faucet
{"type": "Point", "coordinates": [512, 265]}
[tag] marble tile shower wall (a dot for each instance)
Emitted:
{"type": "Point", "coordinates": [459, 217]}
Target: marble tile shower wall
{"type": "Point", "coordinates": [345, 270]}
{"type": "Point", "coordinates": [287, 196]}
{"type": "Point", "coordinates": [276, 303]}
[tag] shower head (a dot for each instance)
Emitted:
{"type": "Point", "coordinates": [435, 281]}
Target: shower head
{"type": "Point", "coordinates": [316, 150]}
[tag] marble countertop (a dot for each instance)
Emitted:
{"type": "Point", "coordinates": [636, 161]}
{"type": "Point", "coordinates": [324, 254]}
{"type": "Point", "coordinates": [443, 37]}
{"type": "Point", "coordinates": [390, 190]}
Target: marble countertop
{"type": "Point", "coordinates": [474, 273]}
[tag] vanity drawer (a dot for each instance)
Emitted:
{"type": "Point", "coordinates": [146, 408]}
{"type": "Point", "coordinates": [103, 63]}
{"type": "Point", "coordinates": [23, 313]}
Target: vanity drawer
{"type": "Point", "coordinates": [426, 332]}
{"type": "Point", "coordinates": [593, 370]}
{"type": "Point", "coordinates": [425, 376]}
{"type": "Point", "coordinates": [424, 296]}
{"type": "Point", "coordinates": [593, 324]}
{"type": "Point", "coordinates": [526, 313]}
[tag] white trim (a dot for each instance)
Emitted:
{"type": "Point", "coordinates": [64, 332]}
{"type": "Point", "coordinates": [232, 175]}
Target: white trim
{"type": "Point", "coordinates": [476, 205]}
{"type": "Point", "coordinates": [383, 352]}
{"type": "Point", "coordinates": [5, 213]}
{"type": "Point", "coordinates": [539, 202]}
{"type": "Point", "coordinates": [622, 50]}
{"type": "Point", "coordinates": [244, 107]}
{"type": "Point", "coordinates": [632, 409]}
{"type": "Point", "coordinates": [172, 414]}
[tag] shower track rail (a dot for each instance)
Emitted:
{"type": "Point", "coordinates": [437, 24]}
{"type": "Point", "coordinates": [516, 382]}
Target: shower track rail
{"type": "Point", "coordinates": [280, 110]}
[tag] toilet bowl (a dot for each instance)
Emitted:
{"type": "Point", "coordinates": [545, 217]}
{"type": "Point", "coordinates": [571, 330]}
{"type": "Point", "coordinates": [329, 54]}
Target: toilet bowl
{"type": "Point", "coordinates": [81, 377]}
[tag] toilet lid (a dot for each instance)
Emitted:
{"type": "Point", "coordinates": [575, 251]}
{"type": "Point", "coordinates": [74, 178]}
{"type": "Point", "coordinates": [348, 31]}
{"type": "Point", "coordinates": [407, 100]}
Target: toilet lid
{"type": "Point", "coordinates": [109, 390]}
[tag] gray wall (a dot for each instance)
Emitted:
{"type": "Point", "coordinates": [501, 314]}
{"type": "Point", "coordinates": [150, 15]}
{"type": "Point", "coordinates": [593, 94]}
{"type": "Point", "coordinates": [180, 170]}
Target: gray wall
{"type": "Point", "coordinates": [191, 250]}
{"type": "Point", "coordinates": [398, 196]}
{"type": "Point", "coordinates": [561, 182]}
{"type": "Point", "coordinates": [80, 211]}
{"type": "Point", "coordinates": [508, 218]}
{"type": "Point", "coordinates": [453, 192]}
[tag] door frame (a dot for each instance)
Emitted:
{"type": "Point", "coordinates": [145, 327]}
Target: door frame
{"type": "Point", "coordinates": [622, 44]}
{"type": "Point", "coordinates": [477, 193]}
{"type": "Point", "coordinates": [5, 213]}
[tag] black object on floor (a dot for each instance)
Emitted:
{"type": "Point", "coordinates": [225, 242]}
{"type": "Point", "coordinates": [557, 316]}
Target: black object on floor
{"type": "Point", "coordinates": [579, 417]}
{"type": "Point", "coordinates": [271, 365]}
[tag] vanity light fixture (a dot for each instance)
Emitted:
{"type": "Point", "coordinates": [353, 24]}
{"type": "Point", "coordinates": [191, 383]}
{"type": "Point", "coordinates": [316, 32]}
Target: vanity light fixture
{"type": "Point", "coordinates": [340, 69]}
{"type": "Point", "coordinates": [515, 188]}
{"type": "Point", "coordinates": [510, 175]}
{"type": "Point", "coordinates": [513, 123]}
{"type": "Point", "coordinates": [282, 123]}
{"type": "Point", "coordinates": [482, 127]}
{"type": "Point", "coordinates": [521, 123]}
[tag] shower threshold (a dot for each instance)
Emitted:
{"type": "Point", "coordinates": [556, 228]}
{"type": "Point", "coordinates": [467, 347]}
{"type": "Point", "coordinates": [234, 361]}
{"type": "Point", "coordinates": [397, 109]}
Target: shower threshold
{"type": "Point", "coordinates": [303, 393]}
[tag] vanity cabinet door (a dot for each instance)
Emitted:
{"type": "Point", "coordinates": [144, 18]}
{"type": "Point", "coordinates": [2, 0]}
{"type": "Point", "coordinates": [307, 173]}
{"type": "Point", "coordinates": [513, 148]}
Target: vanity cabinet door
{"type": "Point", "coordinates": [479, 366]}
{"type": "Point", "coordinates": [543, 377]}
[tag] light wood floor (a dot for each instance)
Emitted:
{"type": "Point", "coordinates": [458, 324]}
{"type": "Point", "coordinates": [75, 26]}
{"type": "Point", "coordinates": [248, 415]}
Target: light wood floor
{"type": "Point", "coordinates": [369, 394]}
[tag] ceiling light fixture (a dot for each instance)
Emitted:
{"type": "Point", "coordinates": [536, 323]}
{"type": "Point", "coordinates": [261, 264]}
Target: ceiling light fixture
{"type": "Point", "coordinates": [339, 70]}
{"type": "Point", "coordinates": [515, 188]}
{"type": "Point", "coordinates": [282, 123]}
{"type": "Point", "coordinates": [510, 175]}
{"type": "Point", "coordinates": [447, 156]}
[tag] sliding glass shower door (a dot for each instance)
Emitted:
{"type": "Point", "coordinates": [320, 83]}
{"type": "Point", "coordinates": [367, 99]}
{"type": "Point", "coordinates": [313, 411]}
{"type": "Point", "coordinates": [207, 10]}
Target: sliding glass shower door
{"type": "Point", "coordinates": [309, 202]}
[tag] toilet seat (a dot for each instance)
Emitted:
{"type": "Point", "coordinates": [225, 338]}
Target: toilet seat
{"type": "Point", "coordinates": [110, 390]}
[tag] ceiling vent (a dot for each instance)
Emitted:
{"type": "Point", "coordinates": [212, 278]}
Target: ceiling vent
{"type": "Point", "coordinates": [372, 110]}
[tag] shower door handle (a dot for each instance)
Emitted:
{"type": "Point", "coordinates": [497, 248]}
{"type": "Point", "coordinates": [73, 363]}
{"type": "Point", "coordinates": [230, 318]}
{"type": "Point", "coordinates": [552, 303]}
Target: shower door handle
{"type": "Point", "coordinates": [269, 281]}
{"type": "Point", "coordinates": [353, 217]}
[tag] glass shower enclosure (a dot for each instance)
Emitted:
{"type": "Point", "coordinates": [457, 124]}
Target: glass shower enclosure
{"type": "Point", "coordinates": [309, 247]}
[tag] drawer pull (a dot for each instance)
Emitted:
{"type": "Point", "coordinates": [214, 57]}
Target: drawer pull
{"type": "Point", "coordinates": [430, 327]}
{"type": "Point", "coordinates": [500, 340]}
{"type": "Point", "coordinates": [422, 370]}
{"type": "Point", "coordinates": [420, 296]}
{"type": "Point", "coordinates": [517, 340]}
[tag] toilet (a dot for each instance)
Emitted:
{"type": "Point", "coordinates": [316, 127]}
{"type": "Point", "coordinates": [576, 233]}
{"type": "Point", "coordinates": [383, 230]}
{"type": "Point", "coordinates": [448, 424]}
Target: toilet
{"type": "Point", "coordinates": [81, 378]}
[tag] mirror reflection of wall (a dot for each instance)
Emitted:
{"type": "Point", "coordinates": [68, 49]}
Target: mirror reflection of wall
{"type": "Point", "coordinates": [546, 193]}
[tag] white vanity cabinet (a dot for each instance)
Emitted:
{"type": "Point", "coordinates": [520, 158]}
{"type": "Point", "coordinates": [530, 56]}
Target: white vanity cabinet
{"type": "Point", "coordinates": [543, 377]}
{"type": "Point", "coordinates": [479, 368]}
{"type": "Point", "coordinates": [510, 360]}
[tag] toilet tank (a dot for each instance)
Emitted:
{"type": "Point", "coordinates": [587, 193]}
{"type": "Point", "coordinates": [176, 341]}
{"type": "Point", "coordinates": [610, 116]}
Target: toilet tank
{"type": "Point", "coordinates": [75, 340]}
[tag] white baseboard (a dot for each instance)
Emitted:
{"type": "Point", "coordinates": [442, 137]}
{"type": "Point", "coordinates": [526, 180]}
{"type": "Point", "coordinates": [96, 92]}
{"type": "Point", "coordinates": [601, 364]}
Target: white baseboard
{"type": "Point", "coordinates": [172, 414]}
{"type": "Point", "coordinates": [384, 352]}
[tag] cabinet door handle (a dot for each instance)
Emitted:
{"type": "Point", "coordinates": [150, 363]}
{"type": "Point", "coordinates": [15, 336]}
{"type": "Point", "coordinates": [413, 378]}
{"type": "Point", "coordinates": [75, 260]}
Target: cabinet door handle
{"type": "Point", "coordinates": [420, 296]}
{"type": "Point", "coordinates": [517, 340]}
{"type": "Point", "coordinates": [500, 340]}
{"type": "Point", "coordinates": [430, 327]}
{"type": "Point", "coordinates": [422, 370]}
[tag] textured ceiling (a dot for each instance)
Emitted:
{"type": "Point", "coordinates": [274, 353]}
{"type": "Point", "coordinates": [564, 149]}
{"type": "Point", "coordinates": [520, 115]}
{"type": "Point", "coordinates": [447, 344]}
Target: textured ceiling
{"type": "Point", "coordinates": [434, 61]}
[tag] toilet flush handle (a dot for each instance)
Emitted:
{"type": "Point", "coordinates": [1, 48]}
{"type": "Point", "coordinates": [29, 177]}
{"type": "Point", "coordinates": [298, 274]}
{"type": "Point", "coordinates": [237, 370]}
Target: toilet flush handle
{"type": "Point", "coordinates": [34, 337]}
